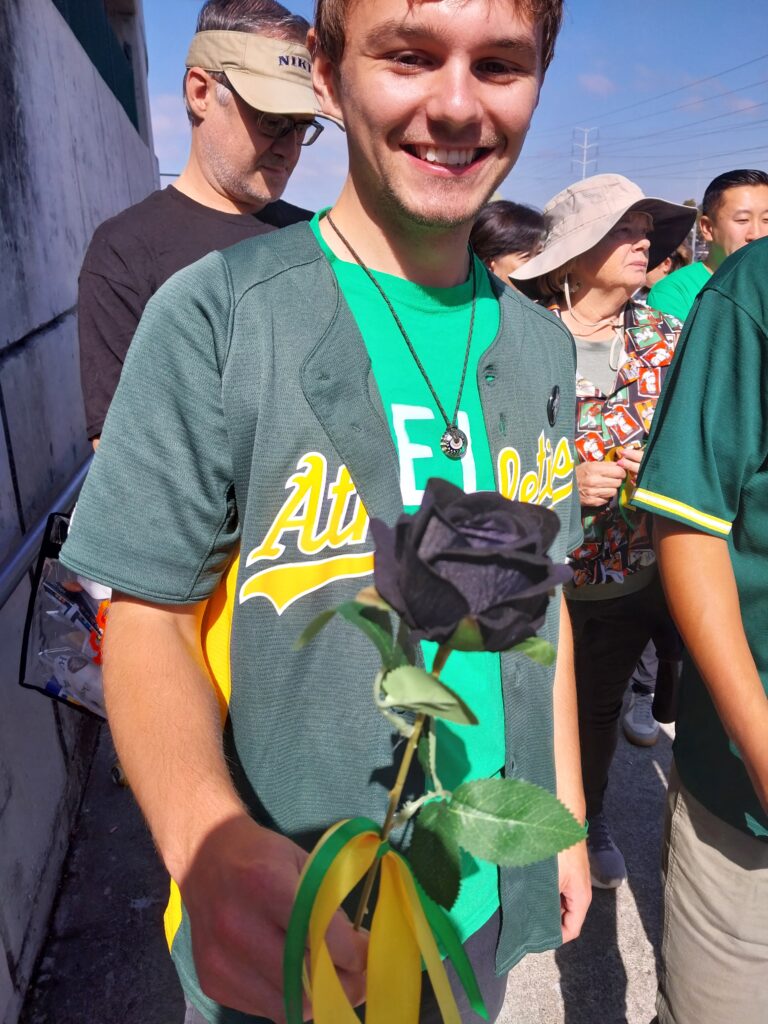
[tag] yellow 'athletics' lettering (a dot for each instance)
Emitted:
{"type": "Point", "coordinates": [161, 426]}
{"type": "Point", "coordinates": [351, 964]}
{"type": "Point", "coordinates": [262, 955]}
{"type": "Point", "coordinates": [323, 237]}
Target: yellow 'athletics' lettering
{"type": "Point", "coordinates": [550, 483]}
{"type": "Point", "coordinates": [302, 508]}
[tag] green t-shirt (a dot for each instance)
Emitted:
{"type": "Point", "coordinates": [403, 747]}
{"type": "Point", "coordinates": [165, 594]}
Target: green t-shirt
{"type": "Point", "coordinates": [437, 323]}
{"type": "Point", "coordinates": [706, 465]}
{"type": "Point", "coordinates": [676, 293]}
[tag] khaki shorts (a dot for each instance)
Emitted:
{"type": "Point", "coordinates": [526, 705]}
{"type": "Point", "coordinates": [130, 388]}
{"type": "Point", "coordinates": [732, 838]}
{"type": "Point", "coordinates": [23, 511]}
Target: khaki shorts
{"type": "Point", "coordinates": [715, 941]}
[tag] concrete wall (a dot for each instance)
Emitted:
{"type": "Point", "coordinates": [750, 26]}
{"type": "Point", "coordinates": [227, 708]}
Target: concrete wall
{"type": "Point", "coordinates": [69, 158]}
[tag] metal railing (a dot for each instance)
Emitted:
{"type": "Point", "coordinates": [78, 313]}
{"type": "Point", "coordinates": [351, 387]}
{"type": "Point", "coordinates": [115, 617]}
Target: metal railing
{"type": "Point", "coordinates": [13, 570]}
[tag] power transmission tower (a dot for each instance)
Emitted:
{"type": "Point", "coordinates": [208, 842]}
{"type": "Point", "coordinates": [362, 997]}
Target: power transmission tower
{"type": "Point", "coordinates": [581, 148]}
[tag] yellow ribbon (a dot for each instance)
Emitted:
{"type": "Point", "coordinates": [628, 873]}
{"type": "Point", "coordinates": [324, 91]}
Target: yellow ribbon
{"type": "Point", "coordinates": [400, 938]}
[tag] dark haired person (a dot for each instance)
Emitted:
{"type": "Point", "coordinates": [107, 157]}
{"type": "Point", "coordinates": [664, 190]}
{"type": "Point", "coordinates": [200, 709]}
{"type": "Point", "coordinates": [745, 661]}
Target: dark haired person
{"type": "Point", "coordinates": [271, 403]}
{"type": "Point", "coordinates": [734, 213]}
{"type": "Point", "coordinates": [505, 235]}
{"type": "Point", "coordinates": [708, 497]}
{"type": "Point", "coordinates": [249, 116]}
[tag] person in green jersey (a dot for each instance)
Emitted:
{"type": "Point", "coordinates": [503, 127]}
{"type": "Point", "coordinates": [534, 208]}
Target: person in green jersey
{"type": "Point", "coordinates": [734, 213]}
{"type": "Point", "coordinates": [277, 395]}
{"type": "Point", "coordinates": [705, 477]}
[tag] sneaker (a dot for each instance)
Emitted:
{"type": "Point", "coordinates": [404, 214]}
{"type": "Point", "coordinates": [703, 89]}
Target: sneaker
{"type": "Point", "coordinates": [606, 863]}
{"type": "Point", "coordinates": [640, 727]}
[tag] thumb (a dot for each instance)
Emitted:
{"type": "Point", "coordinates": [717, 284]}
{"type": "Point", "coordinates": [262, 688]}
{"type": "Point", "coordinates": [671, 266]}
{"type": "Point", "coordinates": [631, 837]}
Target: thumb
{"type": "Point", "coordinates": [348, 948]}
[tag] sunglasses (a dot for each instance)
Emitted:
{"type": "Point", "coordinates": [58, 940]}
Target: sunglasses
{"type": "Point", "coordinates": [277, 126]}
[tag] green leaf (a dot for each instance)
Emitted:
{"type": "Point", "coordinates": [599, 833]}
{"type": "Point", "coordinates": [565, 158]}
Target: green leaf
{"type": "Point", "coordinates": [373, 621]}
{"type": "Point", "coordinates": [510, 822]}
{"type": "Point", "coordinates": [314, 628]}
{"type": "Point", "coordinates": [434, 855]}
{"type": "Point", "coordinates": [423, 750]}
{"type": "Point", "coordinates": [412, 687]}
{"type": "Point", "coordinates": [467, 636]}
{"type": "Point", "coordinates": [538, 650]}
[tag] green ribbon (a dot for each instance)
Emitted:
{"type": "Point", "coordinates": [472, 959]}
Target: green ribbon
{"type": "Point", "coordinates": [298, 927]}
{"type": "Point", "coordinates": [296, 936]}
{"type": "Point", "coordinates": [447, 937]}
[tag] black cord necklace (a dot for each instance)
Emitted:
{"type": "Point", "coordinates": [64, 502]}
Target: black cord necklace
{"type": "Point", "coordinates": [454, 442]}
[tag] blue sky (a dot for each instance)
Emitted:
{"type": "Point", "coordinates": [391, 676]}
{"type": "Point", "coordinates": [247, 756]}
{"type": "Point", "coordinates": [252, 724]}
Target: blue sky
{"type": "Point", "coordinates": [677, 92]}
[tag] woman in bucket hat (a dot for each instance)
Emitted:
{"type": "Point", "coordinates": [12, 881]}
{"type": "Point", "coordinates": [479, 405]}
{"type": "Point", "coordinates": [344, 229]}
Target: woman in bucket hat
{"type": "Point", "coordinates": [603, 235]}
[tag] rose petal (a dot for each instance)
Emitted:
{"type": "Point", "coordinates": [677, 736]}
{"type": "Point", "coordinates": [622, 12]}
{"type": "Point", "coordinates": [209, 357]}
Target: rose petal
{"type": "Point", "coordinates": [437, 536]}
{"type": "Point", "coordinates": [432, 603]}
{"type": "Point", "coordinates": [385, 565]}
{"type": "Point", "coordinates": [525, 523]}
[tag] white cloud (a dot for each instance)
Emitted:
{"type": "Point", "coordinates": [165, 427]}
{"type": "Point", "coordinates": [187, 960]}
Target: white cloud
{"type": "Point", "coordinates": [742, 104]}
{"type": "Point", "coordinates": [597, 84]}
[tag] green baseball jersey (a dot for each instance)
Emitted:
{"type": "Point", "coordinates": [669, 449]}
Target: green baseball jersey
{"type": "Point", "coordinates": [676, 293]}
{"type": "Point", "coordinates": [248, 419]}
{"type": "Point", "coordinates": [706, 466]}
{"type": "Point", "coordinates": [436, 321]}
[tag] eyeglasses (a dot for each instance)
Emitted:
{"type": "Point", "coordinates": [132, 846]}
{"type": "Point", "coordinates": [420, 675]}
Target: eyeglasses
{"type": "Point", "coordinates": [277, 126]}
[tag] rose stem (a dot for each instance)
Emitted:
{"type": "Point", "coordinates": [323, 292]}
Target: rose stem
{"type": "Point", "coordinates": [396, 792]}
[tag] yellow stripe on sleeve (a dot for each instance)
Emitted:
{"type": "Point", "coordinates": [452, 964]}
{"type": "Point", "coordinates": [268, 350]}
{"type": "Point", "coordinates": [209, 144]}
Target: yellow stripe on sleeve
{"type": "Point", "coordinates": [216, 632]}
{"type": "Point", "coordinates": [679, 508]}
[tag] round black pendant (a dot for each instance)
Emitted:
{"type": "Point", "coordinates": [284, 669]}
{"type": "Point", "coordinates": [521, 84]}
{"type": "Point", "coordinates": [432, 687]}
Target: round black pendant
{"type": "Point", "coordinates": [454, 443]}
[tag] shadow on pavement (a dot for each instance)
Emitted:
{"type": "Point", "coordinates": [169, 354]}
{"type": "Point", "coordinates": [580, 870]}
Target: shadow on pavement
{"type": "Point", "coordinates": [596, 969]}
{"type": "Point", "coordinates": [105, 960]}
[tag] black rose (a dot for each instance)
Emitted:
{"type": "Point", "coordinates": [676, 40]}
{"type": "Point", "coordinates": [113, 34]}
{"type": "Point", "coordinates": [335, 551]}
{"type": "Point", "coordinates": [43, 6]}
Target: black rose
{"type": "Point", "coordinates": [470, 570]}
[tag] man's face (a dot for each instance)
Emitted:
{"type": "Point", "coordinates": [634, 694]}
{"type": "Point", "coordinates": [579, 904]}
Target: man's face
{"type": "Point", "coordinates": [741, 217]}
{"type": "Point", "coordinates": [436, 96]}
{"type": "Point", "coordinates": [240, 161]}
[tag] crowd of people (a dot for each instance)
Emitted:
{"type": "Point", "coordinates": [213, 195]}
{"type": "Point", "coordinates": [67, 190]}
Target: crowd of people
{"type": "Point", "coordinates": [260, 379]}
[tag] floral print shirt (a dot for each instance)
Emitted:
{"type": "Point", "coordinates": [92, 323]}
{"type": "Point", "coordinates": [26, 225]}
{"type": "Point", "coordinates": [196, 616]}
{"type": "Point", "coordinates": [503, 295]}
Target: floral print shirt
{"type": "Point", "coordinates": [617, 537]}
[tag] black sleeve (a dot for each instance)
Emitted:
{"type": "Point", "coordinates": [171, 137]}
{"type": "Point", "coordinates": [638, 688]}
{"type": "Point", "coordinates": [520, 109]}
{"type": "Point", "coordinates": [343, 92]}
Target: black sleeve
{"type": "Point", "coordinates": [281, 215]}
{"type": "Point", "coordinates": [109, 306]}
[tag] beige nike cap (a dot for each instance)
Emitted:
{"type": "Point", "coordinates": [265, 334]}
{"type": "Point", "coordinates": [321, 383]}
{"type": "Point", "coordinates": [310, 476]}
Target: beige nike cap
{"type": "Point", "coordinates": [272, 75]}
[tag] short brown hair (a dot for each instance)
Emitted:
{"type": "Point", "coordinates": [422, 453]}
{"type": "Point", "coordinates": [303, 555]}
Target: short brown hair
{"type": "Point", "coordinates": [331, 16]}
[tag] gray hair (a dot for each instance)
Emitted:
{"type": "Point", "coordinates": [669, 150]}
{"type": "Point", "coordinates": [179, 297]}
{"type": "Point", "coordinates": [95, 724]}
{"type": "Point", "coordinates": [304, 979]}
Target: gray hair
{"type": "Point", "coordinates": [268, 17]}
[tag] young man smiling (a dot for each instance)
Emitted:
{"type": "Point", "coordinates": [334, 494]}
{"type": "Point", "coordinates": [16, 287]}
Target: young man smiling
{"type": "Point", "coordinates": [275, 397]}
{"type": "Point", "coordinates": [734, 213]}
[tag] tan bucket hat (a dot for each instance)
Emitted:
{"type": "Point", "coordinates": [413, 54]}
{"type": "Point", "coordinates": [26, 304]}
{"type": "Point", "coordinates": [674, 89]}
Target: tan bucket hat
{"type": "Point", "coordinates": [579, 216]}
{"type": "Point", "coordinates": [272, 75]}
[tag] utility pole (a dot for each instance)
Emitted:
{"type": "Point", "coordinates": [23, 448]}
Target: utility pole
{"type": "Point", "coordinates": [581, 147]}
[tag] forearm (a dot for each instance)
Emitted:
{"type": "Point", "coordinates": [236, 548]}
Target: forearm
{"type": "Point", "coordinates": [701, 591]}
{"type": "Point", "coordinates": [567, 752]}
{"type": "Point", "coordinates": [237, 879]}
{"type": "Point", "coordinates": [166, 725]}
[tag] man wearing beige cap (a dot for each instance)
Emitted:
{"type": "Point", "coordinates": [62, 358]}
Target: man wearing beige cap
{"type": "Point", "coordinates": [251, 108]}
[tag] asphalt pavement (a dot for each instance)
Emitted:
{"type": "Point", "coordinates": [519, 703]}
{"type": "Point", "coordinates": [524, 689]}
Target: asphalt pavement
{"type": "Point", "coordinates": [105, 960]}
